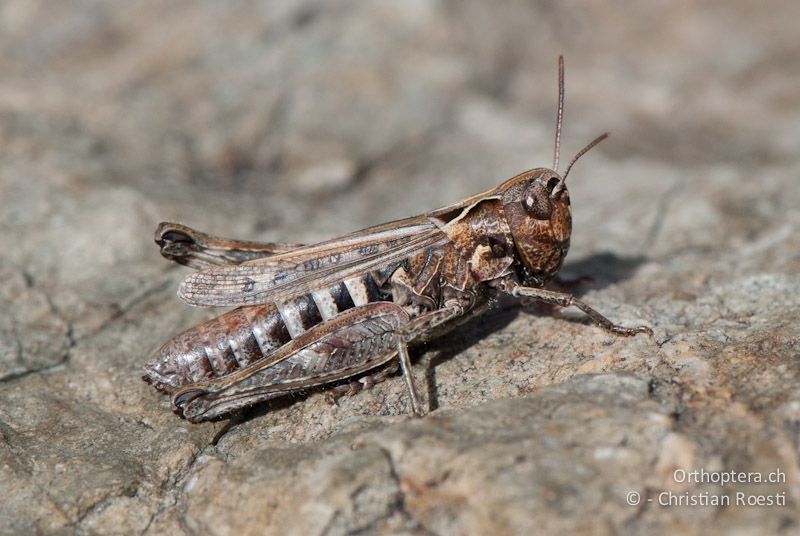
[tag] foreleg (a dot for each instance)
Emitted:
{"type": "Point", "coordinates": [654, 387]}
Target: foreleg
{"type": "Point", "coordinates": [563, 299]}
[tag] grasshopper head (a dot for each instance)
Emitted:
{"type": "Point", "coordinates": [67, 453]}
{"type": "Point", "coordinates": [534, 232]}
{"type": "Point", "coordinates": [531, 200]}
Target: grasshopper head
{"type": "Point", "coordinates": [536, 207]}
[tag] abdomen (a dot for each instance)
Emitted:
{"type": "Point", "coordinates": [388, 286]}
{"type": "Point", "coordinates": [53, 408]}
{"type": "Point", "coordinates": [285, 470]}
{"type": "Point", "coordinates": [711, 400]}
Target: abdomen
{"type": "Point", "coordinates": [244, 335]}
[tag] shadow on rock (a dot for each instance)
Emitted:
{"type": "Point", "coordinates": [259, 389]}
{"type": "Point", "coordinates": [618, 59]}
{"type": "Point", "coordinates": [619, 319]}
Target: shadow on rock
{"type": "Point", "coordinates": [464, 336]}
{"type": "Point", "coordinates": [598, 271]}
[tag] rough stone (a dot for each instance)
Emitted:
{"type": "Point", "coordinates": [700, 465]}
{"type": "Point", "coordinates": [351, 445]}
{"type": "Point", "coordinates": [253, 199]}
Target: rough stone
{"type": "Point", "coordinates": [301, 120]}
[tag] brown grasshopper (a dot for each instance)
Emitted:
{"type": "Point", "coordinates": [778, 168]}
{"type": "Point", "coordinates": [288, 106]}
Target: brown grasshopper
{"type": "Point", "coordinates": [319, 314]}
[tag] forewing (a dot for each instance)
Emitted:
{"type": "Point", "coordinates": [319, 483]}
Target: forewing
{"type": "Point", "coordinates": [288, 275]}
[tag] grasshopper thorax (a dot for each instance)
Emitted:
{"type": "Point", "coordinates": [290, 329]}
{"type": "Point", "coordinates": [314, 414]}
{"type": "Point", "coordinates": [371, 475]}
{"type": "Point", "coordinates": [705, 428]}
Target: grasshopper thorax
{"type": "Point", "coordinates": [537, 209]}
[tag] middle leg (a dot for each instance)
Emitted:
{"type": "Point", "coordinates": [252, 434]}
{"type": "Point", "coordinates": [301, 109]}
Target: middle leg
{"type": "Point", "coordinates": [415, 328]}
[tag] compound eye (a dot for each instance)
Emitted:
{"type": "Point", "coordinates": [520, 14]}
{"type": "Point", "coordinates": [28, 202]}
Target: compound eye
{"type": "Point", "coordinates": [537, 201]}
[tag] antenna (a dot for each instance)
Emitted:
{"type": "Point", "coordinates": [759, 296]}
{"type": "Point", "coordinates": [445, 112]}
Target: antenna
{"type": "Point", "coordinates": [583, 151]}
{"type": "Point", "coordinates": [560, 116]}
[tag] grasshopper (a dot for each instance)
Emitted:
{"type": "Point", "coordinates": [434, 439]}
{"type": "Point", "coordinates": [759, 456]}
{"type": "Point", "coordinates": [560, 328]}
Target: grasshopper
{"type": "Point", "coordinates": [311, 315]}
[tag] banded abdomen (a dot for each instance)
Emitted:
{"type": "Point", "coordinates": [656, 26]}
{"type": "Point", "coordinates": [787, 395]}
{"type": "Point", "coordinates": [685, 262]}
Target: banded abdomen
{"type": "Point", "coordinates": [244, 335]}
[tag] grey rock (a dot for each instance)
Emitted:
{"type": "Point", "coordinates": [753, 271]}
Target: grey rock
{"type": "Point", "coordinates": [33, 337]}
{"type": "Point", "coordinates": [301, 120]}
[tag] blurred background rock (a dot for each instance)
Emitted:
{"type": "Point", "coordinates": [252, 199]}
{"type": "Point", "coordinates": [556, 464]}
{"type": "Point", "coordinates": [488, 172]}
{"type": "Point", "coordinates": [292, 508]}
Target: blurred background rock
{"type": "Point", "coordinates": [300, 120]}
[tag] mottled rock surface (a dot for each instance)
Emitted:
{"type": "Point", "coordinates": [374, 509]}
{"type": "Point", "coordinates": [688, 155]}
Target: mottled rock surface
{"type": "Point", "coordinates": [300, 120]}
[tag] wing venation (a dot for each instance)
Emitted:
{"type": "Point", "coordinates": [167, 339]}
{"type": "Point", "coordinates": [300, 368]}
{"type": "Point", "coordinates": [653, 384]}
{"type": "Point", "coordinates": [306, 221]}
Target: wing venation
{"type": "Point", "coordinates": [288, 275]}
